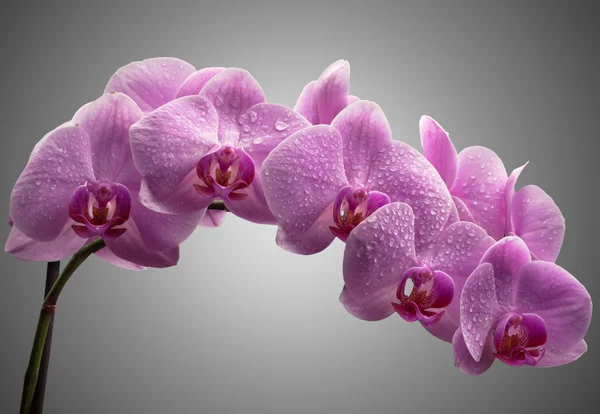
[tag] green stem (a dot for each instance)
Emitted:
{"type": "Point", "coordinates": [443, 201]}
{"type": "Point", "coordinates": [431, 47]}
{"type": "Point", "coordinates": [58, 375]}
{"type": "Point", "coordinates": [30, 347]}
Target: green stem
{"type": "Point", "coordinates": [46, 314]}
{"type": "Point", "coordinates": [37, 405]}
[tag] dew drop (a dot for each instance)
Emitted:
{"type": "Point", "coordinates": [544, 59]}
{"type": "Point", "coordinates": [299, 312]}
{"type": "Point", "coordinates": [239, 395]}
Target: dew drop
{"type": "Point", "coordinates": [281, 126]}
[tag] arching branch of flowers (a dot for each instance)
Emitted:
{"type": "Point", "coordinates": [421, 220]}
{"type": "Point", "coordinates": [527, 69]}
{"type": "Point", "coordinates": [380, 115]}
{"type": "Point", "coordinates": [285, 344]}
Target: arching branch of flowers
{"type": "Point", "coordinates": [438, 237]}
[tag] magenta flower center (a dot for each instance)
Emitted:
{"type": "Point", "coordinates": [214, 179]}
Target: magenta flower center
{"type": "Point", "coordinates": [353, 205]}
{"type": "Point", "coordinates": [100, 207]}
{"type": "Point", "coordinates": [431, 292]}
{"type": "Point", "coordinates": [520, 339]}
{"type": "Point", "coordinates": [224, 173]}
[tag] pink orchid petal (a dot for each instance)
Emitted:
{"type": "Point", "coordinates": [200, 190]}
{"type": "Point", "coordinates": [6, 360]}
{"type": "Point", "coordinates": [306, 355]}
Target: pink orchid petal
{"type": "Point", "coordinates": [131, 247]}
{"type": "Point", "coordinates": [565, 357]}
{"type": "Point", "coordinates": [304, 105]}
{"type": "Point", "coordinates": [265, 126]}
{"type": "Point", "coordinates": [438, 149]}
{"type": "Point", "coordinates": [78, 113]}
{"type": "Point", "coordinates": [24, 248]}
{"type": "Point", "coordinates": [365, 131]}
{"type": "Point", "coordinates": [453, 217]}
{"type": "Point", "coordinates": [539, 222]}
{"type": "Point", "coordinates": [130, 176]}
{"type": "Point", "coordinates": [312, 239]}
{"type": "Point", "coordinates": [109, 257]}
{"type": "Point", "coordinates": [564, 304]}
{"type": "Point", "coordinates": [509, 193]}
{"type": "Point", "coordinates": [330, 95]}
{"type": "Point", "coordinates": [59, 163]}
{"type": "Point", "coordinates": [159, 231]}
{"type": "Point", "coordinates": [107, 121]}
{"type": "Point", "coordinates": [457, 252]}
{"type": "Point", "coordinates": [463, 359]}
{"type": "Point", "coordinates": [375, 260]}
{"type": "Point", "coordinates": [373, 308]}
{"type": "Point", "coordinates": [254, 207]}
{"type": "Point", "coordinates": [213, 218]}
{"type": "Point", "coordinates": [443, 329]}
{"type": "Point", "coordinates": [480, 183]}
{"type": "Point", "coordinates": [463, 211]}
{"type": "Point", "coordinates": [168, 143]}
{"type": "Point", "coordinates": [402, 173]}
{"type": "Point", "coordinates": [196, 81]}
{"type": "Point", "coordinates": [183, 199]}
{"type": "Point", "coordinates": [459, 249]}
{"type": "Point", "coordinates": [507, 256]}
{"type": "Point", "coordinates": [479, 309]}
{"type": "Point", "coordinates": [301, 178]}
{"type": "Point", "coordinates": [151, 83]}
{"type": "Point", "coordinates": [352, 99]}
{"type": "Point", "coordinates": [232, 92]}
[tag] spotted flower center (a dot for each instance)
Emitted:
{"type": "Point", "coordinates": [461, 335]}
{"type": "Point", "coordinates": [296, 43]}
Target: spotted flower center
{"type": "Point", "coordinates": [431, 293]}
{"type": "Point", "coordinates": [520, 339]}
{"type": "Point", "coordinates": [100, 207]}
{"type": "Point", "coordinates": [352, 205]}
{"type": "Point", "coordinates": [225, 173]}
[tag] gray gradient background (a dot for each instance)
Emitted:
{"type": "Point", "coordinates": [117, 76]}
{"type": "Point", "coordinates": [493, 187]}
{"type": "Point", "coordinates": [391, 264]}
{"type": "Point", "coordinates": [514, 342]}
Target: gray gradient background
{"type": "Point", "coordinates": [241, 326]}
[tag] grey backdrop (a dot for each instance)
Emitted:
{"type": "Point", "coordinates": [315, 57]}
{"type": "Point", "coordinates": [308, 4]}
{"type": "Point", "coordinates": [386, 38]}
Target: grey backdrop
{"type": "Point", "coordinates": [240, 326]}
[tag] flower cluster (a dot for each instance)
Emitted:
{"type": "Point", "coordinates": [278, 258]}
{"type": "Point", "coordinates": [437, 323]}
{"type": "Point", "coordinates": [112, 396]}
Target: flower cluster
{"type": "Point", "coordinates": [439, 237]}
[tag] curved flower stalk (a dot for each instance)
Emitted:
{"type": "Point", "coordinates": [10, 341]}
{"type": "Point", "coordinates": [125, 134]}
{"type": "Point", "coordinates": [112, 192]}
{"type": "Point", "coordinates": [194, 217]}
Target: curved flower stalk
{"type": "Point", "coordinates": [521, 312]}
{"type": "Point", "coordinates": [323, 99]}
{"type": "Point", "coordinates": [211, 146]}
{"type": "Point", "coordinates": [80, 184]}
{"type": "Point", "coordinates": [323, 181]}
{"type": "Point", "coordinates": [484, 194]}
{"type": "Point", "coordinates": [382, 258]}
{"type": "Point", "coordinates": [32, 399]}
{"type": "Point", "coordinates": [154, 82]}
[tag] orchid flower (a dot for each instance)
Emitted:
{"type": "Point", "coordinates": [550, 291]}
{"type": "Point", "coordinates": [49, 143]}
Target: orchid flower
{"type": "Point", "coordinates": [321, 100]}
{"type": "Point", "coordinates": [520, 311]}
{"type": "Point", "coordinates": [211, 146]}
{"type": "Point", "coordinates": [485, 195]}
{"type": "Point", "coordinates": [154, 82]}
{"type": "Point", "coordinates": [382, 261]}
{"type": "Point", "coordinates": [323, 181]}
{"type": "Point", "coordinates": [80, 184]}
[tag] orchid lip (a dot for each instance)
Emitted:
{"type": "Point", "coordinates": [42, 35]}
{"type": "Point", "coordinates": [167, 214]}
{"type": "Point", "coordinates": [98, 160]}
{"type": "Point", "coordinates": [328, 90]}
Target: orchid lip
{"type": "Point", "coordinates": [100, 206]}
{"type": "Point", "coordinates": [224, 173]}
{"type": "Point", "coordinates": [431, 293]}
{"type": "Point", "coordinates": [353, 205]}
{"type": "Point", "coordinates": [520, 339]}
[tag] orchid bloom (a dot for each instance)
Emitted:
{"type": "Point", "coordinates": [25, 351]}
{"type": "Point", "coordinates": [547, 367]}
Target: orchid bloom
{"type": "Point", "coordinates": [321, 100]}
{"type": "Point", "coordinates": [323, 181]}
{"type": "Point", "coordinates": [520, 311]}
{"type": "Point", "coordinates": [485, 195]}
{"type": "Point", "coordinates": [80, 184]}
{"type": "Point", "coordinates": [211, 146]}
{"type": "Point", "coordinates": [154, 82]}
{"type": "Point", "coordinates": [382, 260]}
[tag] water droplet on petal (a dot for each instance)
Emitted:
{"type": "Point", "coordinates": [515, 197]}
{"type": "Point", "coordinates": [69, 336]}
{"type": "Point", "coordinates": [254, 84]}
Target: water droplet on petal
{"type": "Point", "coordinates": [281, 126]}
